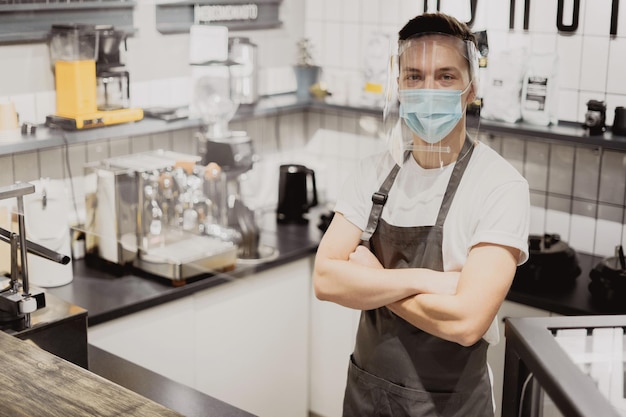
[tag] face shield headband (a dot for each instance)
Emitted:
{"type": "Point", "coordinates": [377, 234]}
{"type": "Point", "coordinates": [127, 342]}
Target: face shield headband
{"type": "Point", "coordinates": [428, 79]}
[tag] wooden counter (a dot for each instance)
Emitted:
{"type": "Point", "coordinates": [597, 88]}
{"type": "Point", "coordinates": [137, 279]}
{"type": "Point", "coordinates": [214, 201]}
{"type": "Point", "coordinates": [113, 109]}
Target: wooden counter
{"type": "Point", "coordinates": [38, 383]}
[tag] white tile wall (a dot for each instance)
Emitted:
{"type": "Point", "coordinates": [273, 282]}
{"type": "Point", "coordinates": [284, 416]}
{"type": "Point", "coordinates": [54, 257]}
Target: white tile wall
{"type": "Point", "coordinates": [591, 62]}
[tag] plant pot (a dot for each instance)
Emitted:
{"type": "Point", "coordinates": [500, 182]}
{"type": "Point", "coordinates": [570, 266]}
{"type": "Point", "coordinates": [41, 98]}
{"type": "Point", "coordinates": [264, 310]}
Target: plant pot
{"type": "Point", "coordinates": [306, 76]}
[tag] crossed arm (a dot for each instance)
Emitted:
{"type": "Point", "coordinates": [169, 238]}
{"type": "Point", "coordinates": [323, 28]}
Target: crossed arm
{"type": "Point", "coordinates": [457, 306]}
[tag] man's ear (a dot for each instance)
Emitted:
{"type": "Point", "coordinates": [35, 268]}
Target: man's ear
{"type": "Point", "coordinates": [471, 95]}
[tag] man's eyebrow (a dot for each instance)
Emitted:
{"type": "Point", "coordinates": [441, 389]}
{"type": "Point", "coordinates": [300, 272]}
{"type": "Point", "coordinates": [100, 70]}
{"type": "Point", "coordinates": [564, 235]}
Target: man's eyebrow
{"type": "Point", "coordinates": [450, 68]}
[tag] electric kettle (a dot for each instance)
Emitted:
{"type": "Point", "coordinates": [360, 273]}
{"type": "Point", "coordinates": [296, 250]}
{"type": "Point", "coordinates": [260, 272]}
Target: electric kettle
{"type": "Point", "coordinates": [297, 193]}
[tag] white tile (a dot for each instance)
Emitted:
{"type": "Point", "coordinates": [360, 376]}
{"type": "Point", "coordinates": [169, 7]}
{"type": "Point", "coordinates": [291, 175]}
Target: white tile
{"type": "Point", "coordinates": [496, 14]}
{"type": "Point", "coordinates": [350, 10]}
{"type": "Point", "coordinates": [369, 12]}
{"type": "Point", "coordinates": [51, 163]}
{"type": "Point", "coordinates": [597, 17]}
{"type": "Point", "coordinates": [315, 32]}
{"type": "Point", "coordinates": [160, 92]}
{"type": "Point", "coordinates": [314, 9]}
{"type": "Point", "coordinates": [570, 54]}
{"type": "Point", "coordinates": [460, 9]}
{"type": "Point", "coordinates": [25, 107]}
{"type": "Point", "coordinates": [97, 151]}
{"type": "Point", "coordinates": [542, 16]}
{"type": "Point", "coordinates": [45, 104]}
{"type": "Point", "coordinates": [333, 45]}
{"type": "Point", "coordinates": [595, 56]}
{"type": "Point", "coordinates": [608, 235]}
{"type": "Point", "coordinates": [332, 13]}
{"type": "Point", "coordinates": [621, 24]}
{"type": "Point", "coordinates": [544, 43]}
{"type": "Point", "coordinates": [537, 220]}
{"type": "Point", "coordinates": [26, 166]}
{"type": "Point", "coordinates": [389, 11]}
{"type": "Point", "coordinates": [140, 94]}
{"type": "Point", "coordinates": [351, 57]}
{"type": "Point", "coordinates": [617, 66]}
{"type": "Point", "coordinates": [408, 9]}
{"type": "Point", "coordinates": [568, 105]}
{"type": "Point", "coordinates": [582, 233]}
{"type": "Point", "coordinates": [613, 177]}
{"type": "Point", "coordinates": [6, 173]}
{"type": "Point", "coordinates": [558, 222]}
{"type": "Point", "coordinates": [180, 88]}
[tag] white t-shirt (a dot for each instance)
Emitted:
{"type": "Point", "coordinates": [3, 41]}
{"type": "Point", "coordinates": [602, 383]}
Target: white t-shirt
{"type": "Point", "coordinates": [491, 205]}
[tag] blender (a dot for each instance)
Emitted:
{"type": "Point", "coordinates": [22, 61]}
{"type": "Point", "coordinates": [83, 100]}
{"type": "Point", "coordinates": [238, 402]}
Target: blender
{"type": "Point", "coordinates": [74, 49]}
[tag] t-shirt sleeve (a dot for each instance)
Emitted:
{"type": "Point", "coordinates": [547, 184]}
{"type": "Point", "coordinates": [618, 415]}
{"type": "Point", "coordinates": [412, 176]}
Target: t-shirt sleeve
{"type": "Point", "coordinates": [505, 218]}
{"type": "Point", "coordinates": [355, 200]}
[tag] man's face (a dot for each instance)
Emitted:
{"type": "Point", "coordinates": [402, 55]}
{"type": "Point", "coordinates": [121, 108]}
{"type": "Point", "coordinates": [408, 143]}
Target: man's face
{"type": "Point", "coordinates": [435, 62]}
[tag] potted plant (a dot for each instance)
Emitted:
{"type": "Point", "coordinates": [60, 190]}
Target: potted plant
{"type": "Point", "coordinates": [307, 73]}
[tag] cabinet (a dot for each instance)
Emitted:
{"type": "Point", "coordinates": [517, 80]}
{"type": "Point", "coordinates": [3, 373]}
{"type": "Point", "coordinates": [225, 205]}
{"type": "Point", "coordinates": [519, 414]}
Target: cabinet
{"type": "Point", "coordinates": [245, 342]}
{"type": "Point", "coordinates": [333, 331]}
{"type": "Point", "coordinates": [495, 354]}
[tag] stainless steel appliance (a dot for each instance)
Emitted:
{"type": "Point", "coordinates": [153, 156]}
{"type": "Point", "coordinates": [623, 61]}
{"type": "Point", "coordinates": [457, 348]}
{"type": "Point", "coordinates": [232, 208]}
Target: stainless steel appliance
{"type": "Point", "coordinates": [28, 312]}
{"type": "Point", "coordinates": [297, 193]}
{"type": "Point", "coordinates": [150, 211]}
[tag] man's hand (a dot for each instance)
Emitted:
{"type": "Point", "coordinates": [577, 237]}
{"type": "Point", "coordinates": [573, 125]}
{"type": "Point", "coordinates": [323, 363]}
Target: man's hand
{"type": "Point", "coordinates": [362, 256]}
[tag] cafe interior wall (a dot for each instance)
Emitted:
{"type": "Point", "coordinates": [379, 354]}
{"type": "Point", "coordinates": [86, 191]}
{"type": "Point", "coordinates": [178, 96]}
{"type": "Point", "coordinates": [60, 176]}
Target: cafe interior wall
{"type": "Point", "coordinates": [577, 192]}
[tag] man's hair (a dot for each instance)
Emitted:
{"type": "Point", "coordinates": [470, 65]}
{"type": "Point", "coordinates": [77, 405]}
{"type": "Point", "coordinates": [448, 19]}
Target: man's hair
{"type": "Point", "coordinates": [436, 23]}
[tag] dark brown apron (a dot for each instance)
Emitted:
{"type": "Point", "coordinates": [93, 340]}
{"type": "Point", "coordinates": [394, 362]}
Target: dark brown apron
{"type": "Point", "coordinates": [397, 369]}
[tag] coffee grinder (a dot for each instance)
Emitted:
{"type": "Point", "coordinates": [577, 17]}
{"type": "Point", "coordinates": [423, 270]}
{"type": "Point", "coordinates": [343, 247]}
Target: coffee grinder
{"type": "Point", "coordinates": [74, 51]}
{"type": "Point", "coordinates": [215, 101]}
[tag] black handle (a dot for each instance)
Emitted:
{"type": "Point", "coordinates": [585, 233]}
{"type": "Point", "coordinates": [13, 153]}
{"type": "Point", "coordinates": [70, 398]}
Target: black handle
{"type": "Point", "coordinates": [36, 249]}
{"type": "Point", "coordinates": [313, 202]}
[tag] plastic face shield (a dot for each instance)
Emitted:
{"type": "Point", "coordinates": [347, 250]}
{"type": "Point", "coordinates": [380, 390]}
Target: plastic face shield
{"type": "Point", "coordinates": [432, 77]}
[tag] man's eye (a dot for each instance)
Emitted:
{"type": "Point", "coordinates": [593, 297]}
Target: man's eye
{"type": "Point", "coordinates": [448, 77]}
{"type": "Point", "coordinates": [413, 77]}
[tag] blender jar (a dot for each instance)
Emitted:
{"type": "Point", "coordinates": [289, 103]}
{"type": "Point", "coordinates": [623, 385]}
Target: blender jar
{"type": "Point", "coordinates": [73, 42]}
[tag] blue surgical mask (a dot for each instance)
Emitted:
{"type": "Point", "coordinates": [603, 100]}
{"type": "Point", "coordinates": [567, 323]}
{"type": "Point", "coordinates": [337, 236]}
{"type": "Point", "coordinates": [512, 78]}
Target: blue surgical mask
{"type": "Point", "coordinates": [431, 113]}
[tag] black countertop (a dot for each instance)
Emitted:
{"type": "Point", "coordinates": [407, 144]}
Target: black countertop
{"type": "Point", "coordinates": [107, 296]}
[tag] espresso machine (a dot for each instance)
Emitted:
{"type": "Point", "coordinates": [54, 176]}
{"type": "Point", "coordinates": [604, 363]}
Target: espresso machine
{"type": "Point", "coordinates": [90, 82]}
{"type": "Point", "coordinates": [149, 212]}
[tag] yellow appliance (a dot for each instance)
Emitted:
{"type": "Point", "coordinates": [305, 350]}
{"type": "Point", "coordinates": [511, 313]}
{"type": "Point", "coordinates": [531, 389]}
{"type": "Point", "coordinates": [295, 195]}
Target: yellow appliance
{"type": "Point", "coordinates": [73, 51]}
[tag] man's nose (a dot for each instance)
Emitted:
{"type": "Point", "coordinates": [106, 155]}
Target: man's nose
{"type": "Point", "coordinates": [429, 82]}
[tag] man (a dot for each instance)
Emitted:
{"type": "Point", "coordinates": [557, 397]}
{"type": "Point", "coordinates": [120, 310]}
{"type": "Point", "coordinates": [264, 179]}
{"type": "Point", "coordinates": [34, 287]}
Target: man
{"type": "Point", "coordinates": [426, 243]}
